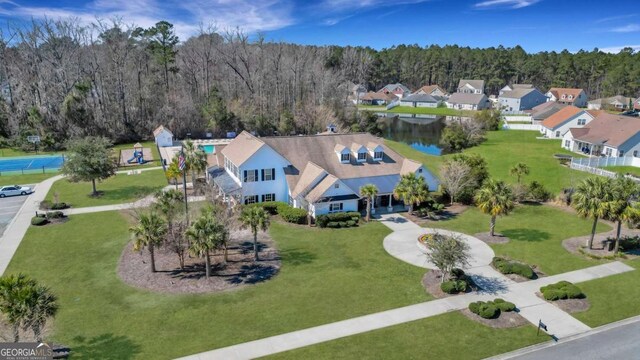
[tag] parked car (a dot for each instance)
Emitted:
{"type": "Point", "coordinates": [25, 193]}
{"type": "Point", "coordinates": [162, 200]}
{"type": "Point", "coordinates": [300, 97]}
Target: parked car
{"type": "Point", "coordinates": [14, 190]}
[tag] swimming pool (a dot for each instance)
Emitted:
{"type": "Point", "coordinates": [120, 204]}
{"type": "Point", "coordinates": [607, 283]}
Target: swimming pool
{"type": "Point", "coordinates": [209, 149]}
{"type": "Point", "coordinates": [43, 162]}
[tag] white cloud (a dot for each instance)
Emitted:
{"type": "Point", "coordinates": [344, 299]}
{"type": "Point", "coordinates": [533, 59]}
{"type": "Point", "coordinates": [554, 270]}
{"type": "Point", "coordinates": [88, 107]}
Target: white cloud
{"type": "Point", "coordinates": [250, 16]}
{"type": "Point", "coordinates": [617, 49]}
{"type": "Point", "coordinates": [513, 4]}
{"type": "Point", "coordinates": [613, 18]}
{"type": "Point", "coordinates": [627, 28]}
{"type": "Point", "coordinates": [338, 10]}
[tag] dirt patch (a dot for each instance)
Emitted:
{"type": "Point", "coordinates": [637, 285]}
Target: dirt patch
{"type": "Point", "coordinates": [432, 280]}
{"type": "Point", "coordinates": [240, 270]}
{"type": "Point", "coordinates": [569, 305]}
{"type": "Point", "coordinates": [578, 245]}
{"type": "Point", "coordinates": [506, 320]}
{"type": "Point", "coordinates": [495, 239]}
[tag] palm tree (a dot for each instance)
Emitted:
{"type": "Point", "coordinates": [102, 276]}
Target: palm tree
{"type": "Point", "coordinates": [14, 295]}
{"type": "Point", "coordinates": [149, 233]}
{"type": "Point", "coordinates": [196, 160]}
{"type": "Point", "coordinates": [412, 190]}
{"type": "Point", "coordinates": [173, 172]}
{"type": "Point", "coordinates": [168, 204]}
{"type": "Point", "coordinates": [368, 191]}
{"type": "Point", "coordinates": [41, 305]}
{"type": "Point", "coordinates": [591, 200]}
{"type": "Point", "coordinates": [494, 198]}
{"type": "Point", "coordinates": [206, 234]}
{"type": "Point", "coordinates": [254, 218]}
{"type": "Point", "coordinates": [519, 170]}
{"type": "Point", "coordinates": [623, 206]}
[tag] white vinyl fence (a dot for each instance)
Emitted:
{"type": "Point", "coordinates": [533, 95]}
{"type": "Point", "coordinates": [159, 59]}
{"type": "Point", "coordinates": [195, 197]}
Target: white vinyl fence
{"type": "Point", "coordinates": [593, 165]}
{"type": "Point", "coordinates": [508, 126]}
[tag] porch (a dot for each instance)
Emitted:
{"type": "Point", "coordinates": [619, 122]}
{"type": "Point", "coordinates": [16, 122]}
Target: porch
{"type": "Point", "coordinates": [224, 187]}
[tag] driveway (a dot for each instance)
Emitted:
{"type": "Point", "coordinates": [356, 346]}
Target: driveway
{"type": "Point", "coordinates": [9, 207]}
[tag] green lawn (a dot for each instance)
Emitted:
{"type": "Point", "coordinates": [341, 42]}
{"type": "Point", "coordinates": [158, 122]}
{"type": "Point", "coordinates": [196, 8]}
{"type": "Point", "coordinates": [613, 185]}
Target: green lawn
{"type": "Point", "coordinates": [25, 179]}
{"type": "Point", "coordinates": [326, 276]}
{"type": "Point", "coordinates": [9, 152]}
{"type": "Point", "coordinates": [612, 298]}
{"type": "Point", "coordinates": [121, 188]}
{"type": "Point", "coordinates": [536, 233]}
{"type": "Point", "coordinates": [503, 149]}
{"type": "Point", "coordinates": [624, 169]}
{"type": "Point", "coordinates": [447, 336]}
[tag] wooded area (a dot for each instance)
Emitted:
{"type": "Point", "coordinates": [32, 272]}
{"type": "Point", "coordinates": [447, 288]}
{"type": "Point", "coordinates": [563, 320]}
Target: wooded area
{"type": "Point", "coordinates": [119, 81]}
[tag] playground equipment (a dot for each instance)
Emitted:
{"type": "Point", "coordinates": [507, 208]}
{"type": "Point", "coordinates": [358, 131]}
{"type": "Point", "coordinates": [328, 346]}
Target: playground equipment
{"type": "Point", "coordinates": [138, 155]}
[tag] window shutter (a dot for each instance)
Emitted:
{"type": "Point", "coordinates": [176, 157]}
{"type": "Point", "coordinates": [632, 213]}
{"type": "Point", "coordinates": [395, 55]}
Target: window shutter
{"type": "Point", "coordinates": [255, 175]}
{"type": "Point", "coordinates": [262, 173]}
{"type": "Point", "coordinates": [245, 176]}
{"type": "Point", "coordinates": [262, 198]}
{"type": "Point", "coordinates": [273, 175]}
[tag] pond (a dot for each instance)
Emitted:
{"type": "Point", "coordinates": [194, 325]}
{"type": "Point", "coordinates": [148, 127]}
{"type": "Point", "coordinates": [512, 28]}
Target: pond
{"type": "Point", "coordinates": [421, 132]}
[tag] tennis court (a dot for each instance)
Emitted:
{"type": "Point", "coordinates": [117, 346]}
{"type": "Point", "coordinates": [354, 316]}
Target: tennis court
{"type": "Point", "coordinates": [31, 163]}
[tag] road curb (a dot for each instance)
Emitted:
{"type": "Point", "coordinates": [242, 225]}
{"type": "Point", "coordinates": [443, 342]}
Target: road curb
{"type": "Point", "coordinates": [548, 344]}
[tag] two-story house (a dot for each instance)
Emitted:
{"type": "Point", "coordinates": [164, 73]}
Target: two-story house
{"type": "Point", "coordinates": [398, 90]}
{"type": "Point", "coordinates": [433, 90]}
{"type": "Point", "coordinates": [520, 99]}
{"type": "Point", "coordinates": [568, 96]}
{"type": "Point", "coordinates": [471, 86]}
{"type": "Point", "coordinates": [319, 173]}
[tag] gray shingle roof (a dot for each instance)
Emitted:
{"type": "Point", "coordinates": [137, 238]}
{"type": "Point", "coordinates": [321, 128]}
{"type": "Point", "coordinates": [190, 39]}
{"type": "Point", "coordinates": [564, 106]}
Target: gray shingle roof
{"type": "Point", "coordinates": [420, 98]}
{"type": "Point", "coordinates": [464, 98]}
{"type": "Point", "coordinates": [477, 84]}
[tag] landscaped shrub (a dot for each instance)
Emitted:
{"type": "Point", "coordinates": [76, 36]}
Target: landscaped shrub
{"type": "Point", "coordinates": [55, 215]}
{"type": "Point", "coordinates": [486, 310]}
{"type": "Point", "coordinates": [454, 286]}
{"type": "Point", "coordinates": [346, 217]}
{"type": "Point", "coordinates": [505, 306]}
{"type": "Point", "coordinates": [59, 206]}
{"type": "Point", "coordinates": [293, 215]}
{"type": "Point", "coordinates": [537, 192]}
{"type": "Point", "coordinates": [511, 267]}
{"type": "Point", "coordinates": [561, 290]}
{"type": "Point", "coordinates": [39, 221]}
{"type": "Point", "coordinates": [333, 224]}
{"type": "Point", "coordinates": [628, 242]}
{"type": "Point", "coordinates": [45, 204]}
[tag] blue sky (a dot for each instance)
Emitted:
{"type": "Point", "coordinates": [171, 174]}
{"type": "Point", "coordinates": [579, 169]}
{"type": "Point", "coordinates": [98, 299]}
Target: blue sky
{"type": "Point", "coordinates": [536, 25]}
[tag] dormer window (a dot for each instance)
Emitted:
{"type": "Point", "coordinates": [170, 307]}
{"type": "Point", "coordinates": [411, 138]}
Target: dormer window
{"type": "Point", "coordinates": [362, 156]}
{"type": "Point", "coordinates": [378, 155]}
{"type": "Point", "coordinates": [376, 151]}
{"type": "Point", "coordinates": [359, 152]}
{"type": "Point", "coordinates": [345, 157]}
{"type": "Point", "coordinates": [343, 153]}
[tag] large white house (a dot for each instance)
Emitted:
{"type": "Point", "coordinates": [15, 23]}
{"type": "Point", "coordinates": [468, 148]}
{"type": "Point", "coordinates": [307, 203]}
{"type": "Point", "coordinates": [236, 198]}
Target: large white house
{"type": "Point", "coordinates": [319, 173]}
{"type": "Point", "coordinates": [558, 124]}
{"type": "Point", "coordinates": [607, 135]}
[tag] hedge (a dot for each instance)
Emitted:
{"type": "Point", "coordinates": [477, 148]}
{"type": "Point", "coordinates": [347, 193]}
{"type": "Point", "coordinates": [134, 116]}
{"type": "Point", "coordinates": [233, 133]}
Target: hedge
{"type": "Point", "coordinates": [491, 309]}
{"type": "Point", "coordinates": [272, 207]}
{"type": "Point", "coordinates": [293, 215]}
{"type": "Point", "coordinates": [561, 290]}
{"type": "Point", "coordinates": [349, 218]}
{"type": "Point", "coordinates": [512, 267]}
{"type": "Point", "coordinates": [55, 215]}
{"type": "Point", "coordinates": [48, 205]}
{"type": "Point", "coordinates": [39, 221]}
{"type": "Point", "coordinates": [454, 286]}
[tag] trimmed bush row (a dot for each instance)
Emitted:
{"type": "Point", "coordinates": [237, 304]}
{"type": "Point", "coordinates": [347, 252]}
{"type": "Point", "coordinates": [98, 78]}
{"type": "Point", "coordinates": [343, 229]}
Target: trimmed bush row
{"type": "Point", "coordinates": [454, 286]}
{"type": "Point", "coordinates": [491, 309]}
{"type": "Point", "coordinates": [561, 290]}
{"type": "Point", "coordinates": [340, 219]}
{"type": "Point", "coordinates": [48, 205]}
{"type": "Point", "coordinates": [287, 212]}
{"type": "Point", "coordinates": [512, 267]}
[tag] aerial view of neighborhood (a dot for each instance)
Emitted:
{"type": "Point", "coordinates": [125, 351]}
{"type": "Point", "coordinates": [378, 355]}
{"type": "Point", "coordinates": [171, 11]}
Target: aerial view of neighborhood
{"type": "Point", "coordinates": [334, 179]}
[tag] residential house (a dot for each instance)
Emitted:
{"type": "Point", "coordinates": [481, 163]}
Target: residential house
{"type": "Point", "coordinates": [514, 87]}
{"type": "Point", "coordinates": [318, 173]}
{"type": "Point", "coordinates": [433, 90]}
{"type": "Point", "coordinates": [618, 102]}
{"type": "Point", "coordinates": [471, 86]}
{"type": "Point", "coordinates": [468, 101]}
{"type": "Point", "coordinates": [556, 125]}
{"type": "Point", "coordinates": [163, 137]}
{"type": "Point", "coordinates": [567, 96]}
{"type": "Point", "coordinates": [520, 99]}
{"type": "Point", "coordinates": [419, 100]}
{"type": "Point", "coordinates": [544, 110]}
{"type": "Point", "coordinates": [398, 90]}
{"type": "Point", "coordinates": [607, 135]}
{"type": "Point", "coordinates": [377, 98]}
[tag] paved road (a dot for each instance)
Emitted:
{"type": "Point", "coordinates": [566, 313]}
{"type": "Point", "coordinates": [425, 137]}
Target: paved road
{"type": "Point", "coordinates": [621, 342]}
{"type": "Point", "coordinates": [9, 207]}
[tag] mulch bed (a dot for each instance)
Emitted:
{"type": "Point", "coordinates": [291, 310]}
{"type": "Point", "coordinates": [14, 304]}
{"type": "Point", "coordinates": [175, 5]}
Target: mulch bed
{"type": "Point", "coordinates": [569, 305]}
{"type": "Point", "coordinates": [432, 280]}
{"type": "Point", "coordinates": [241, 270]}
{"type": "Point", "coordinates": [506, 320]}
{"type": "Point", "coordinates": [449, 212]}
{"type": "Point", "coordinates": [496, 239]}
{"type": "Point", "coordinates": [577, 245]}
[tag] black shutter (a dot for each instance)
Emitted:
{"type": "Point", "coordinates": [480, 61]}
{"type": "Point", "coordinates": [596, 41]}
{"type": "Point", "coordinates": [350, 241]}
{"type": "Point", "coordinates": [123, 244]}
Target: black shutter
{"type": "Point", "coordinates": [245, 176]}
{"type": "Point", "coordinates": [273, 174]}
{"type": "Point", "coordinates": [255, 176]}
{"type": "Point", "coordinates": [262, 171]}
{"type": "Point", "coordinates": [262, 198]}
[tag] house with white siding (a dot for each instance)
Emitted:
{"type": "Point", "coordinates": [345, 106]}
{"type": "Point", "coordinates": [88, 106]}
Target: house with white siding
{"type": "Point", "coordinates": [618, 102]}
{"type": "Point", "coordinates": [318, 173]}
{"type": "Point", "coordinates": [468, 101]}
{"type": "Point", "coordinates": [433, 90]}
{"type": "Point", "coordinates": [162, 136]}
{"type": "Point", "coordinates": [471, 86]}
{"type": "Point", "coordinates": [607, 135]}
{"type": "Point", "coordinates": [557, 125]}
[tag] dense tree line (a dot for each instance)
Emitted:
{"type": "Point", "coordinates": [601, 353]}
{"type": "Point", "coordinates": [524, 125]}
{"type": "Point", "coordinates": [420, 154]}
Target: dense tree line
{"type": "Point", "coordinates": [119, 81]}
